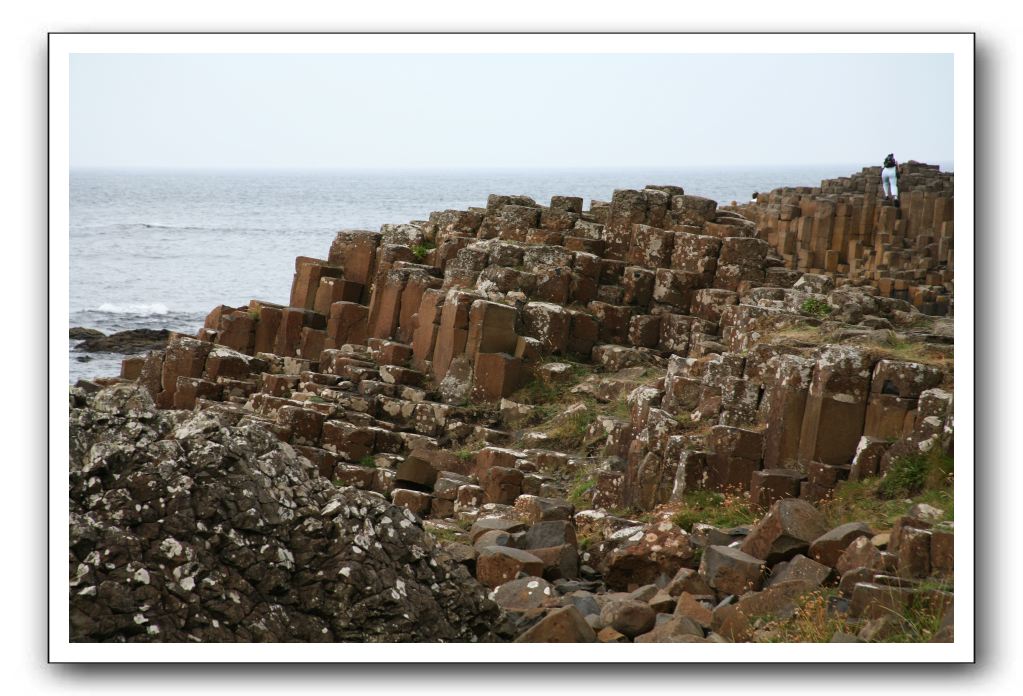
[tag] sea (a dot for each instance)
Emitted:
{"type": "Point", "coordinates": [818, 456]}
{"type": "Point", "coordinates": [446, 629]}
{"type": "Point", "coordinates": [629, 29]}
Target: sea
{"type": "Point", "coordinates": [159, 248]}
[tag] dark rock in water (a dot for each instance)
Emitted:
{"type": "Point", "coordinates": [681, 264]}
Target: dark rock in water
{"type": "Point", "coordinates": [205, 527]}
{"type": "Point", "coordinates": [133, 341]}
{"type": "Point", "coordinates": [83, 358]}
{"type": "Point", "coordinates": [80, 333]}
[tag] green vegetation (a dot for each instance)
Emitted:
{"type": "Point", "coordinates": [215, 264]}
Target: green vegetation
{"type": "Point", "coordinates": [916, 623]}
{"type": "Point", "coordinates": [421, 250]}
{"type": "Point", "coordinates": [815, 307]}
{"type": "Point", "coordinates": [445, 534]}
{"type": "Point", "coordinates": [314, 399]}
{"type": "Point", "coordinates": [893, 347]}
{"type": "Point", "coordinates": [717, 509]}
{"type": "Point", "coordinates": [879, 502]}
{"type": "Point", "coordinates": [568, 430]}
{"type": "Point", "coordinates": [581, 492]}
{"type": "Point", "coordinates": [466, 455]}
{"type": "Point", "coordinates": [815, 622]}
{"type": "Point", "coordinates": [912, 474]}
{"type": "Point", "coordinates": [811, 622]}
{"type": "Point", "coordinates": [367, 462]}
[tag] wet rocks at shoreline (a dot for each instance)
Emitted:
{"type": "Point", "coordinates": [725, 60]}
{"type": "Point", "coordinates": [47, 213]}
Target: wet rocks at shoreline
{"type": "Point", "coordinates": [133, 341]}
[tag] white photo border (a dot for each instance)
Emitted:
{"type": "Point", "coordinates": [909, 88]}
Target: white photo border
{"type": "Point", "coordinates": [63, 45]}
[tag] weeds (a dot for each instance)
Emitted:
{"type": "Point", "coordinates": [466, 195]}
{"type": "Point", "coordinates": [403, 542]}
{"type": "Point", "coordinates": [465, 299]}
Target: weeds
{"type": "Point", "coordinates": [568, 430]}
{"type": "Point", "coordinates": [717, 509]}
{"type": "Point", "coordinates": [466, 455]}
{"type": "Point", "coordinates": [581, 493]}
{"type": "Point", "coordinates": [815, 308]}
{"type": "Point", "coordinates": [879, 502]}
{"type": "Point", "coordinates": [421, 250]}
{"type": "Point", "coordinates": [812, 621]}
{"type": "Point", "coordinates": [893, 347]}
{"type": "Point", "coordinates": [909, 475]}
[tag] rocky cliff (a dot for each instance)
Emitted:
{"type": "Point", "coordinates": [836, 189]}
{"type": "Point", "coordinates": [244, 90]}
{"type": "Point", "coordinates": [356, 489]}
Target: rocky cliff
{"type": "Point", "coordinates": [652, 419]}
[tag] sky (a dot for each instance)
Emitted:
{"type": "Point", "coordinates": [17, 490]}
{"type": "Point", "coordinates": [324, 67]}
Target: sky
{"type": "Point", "coordinates": [508, 110]}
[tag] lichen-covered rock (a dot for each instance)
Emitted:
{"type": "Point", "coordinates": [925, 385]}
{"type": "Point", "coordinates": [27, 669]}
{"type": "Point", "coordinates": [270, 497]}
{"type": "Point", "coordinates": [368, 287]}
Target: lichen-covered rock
{"type": "Point", "coordinates": [193, 527]}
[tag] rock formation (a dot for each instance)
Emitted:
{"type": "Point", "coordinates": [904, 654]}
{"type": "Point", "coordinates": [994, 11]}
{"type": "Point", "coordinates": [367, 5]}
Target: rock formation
{"type": "Point", "coordinates": [499, 370]}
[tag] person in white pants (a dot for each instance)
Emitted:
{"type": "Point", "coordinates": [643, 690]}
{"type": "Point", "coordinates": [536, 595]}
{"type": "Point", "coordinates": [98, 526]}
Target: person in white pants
{"type": "Point", "coordinates": [889, 182]}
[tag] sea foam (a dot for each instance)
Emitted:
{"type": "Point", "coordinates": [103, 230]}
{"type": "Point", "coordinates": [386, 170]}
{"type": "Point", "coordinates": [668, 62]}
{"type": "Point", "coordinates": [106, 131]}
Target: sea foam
{"type": "Point", "coordinates": [133, 308]}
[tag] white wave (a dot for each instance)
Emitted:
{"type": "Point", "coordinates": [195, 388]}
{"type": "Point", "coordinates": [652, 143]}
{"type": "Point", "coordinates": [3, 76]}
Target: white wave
{"type": "Point", "coordinates": [133, 308]}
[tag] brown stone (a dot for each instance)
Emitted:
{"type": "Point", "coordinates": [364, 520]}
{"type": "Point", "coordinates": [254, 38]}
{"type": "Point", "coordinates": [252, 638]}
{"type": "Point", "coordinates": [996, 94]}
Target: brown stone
{"type": "Point", "coordinates": [354, 251]}
{"type": "Point", "coordinates": [771, 485]}
{"type": "Point", "coordinates": [417, 502]}
{"type": "Point", "coordinates": [563, 625]}
{"type": "Point", "coordinates": [347, 323]}
{"type": "Point", "coordinates": [799, 568]}
{"type": "Point", "coordinates": [628, 616]}
{"type": "Point", "coordinates": [861, 553]}
{"type": "Point", "coordinates": [788, 529]}
{"type": "Point", "coordinates": [828, 547]}
{"type": "Point", "coordinates": [495, 376]}
{"type": "Point", "coordinates": [836, 406]}
{"type": "Point", "coordinates": [731, 571]}
{"type": "Point", "coordinates": [501, 485]}
{"type": "Point", "coordinates": [497, 565]}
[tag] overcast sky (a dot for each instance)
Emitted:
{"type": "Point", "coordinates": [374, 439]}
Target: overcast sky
{"type": "Point", "coordinates": [522, 110]}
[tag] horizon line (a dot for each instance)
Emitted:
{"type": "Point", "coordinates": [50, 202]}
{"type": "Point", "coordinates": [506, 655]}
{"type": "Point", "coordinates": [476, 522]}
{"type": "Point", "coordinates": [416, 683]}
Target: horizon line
{"type": "Point", "coordinates": [358, 168]}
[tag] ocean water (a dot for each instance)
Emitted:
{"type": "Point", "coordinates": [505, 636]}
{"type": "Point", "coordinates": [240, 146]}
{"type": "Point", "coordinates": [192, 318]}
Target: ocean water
{"type": "Point", "coordinates": [159, 249]}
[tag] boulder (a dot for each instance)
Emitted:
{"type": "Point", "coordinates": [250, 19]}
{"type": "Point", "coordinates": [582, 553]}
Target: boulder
{"type": "Point", "coordinates": [650, 554]}
{"type": "Point", "coordinates": [562, 625]}
{"type": "Point", "coordinates": [788, 528]}
{"type": "Point", "coordinates": [730, 571]}
{"type": "Point", "coordinates": [523, 594]}
{"type": "Point", "coordinates": [497, 565]}
{"type": "Point", "coordinates": [629, 617]}
{"type": "Point", "coordinates": [828, 547]}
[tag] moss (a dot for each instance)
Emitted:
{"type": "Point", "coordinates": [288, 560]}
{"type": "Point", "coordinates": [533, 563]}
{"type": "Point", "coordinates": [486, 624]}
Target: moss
{"type": "Point", "coordinates": [367, 462]}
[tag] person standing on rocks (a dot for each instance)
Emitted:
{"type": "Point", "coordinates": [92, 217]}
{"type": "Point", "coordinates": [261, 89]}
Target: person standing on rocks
{"type": "Point", "coordinates": [889, 183]}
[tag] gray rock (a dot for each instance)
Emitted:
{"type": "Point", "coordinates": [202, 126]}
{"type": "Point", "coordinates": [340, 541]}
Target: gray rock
{"type": "Point", "coordinates": [189, 527]}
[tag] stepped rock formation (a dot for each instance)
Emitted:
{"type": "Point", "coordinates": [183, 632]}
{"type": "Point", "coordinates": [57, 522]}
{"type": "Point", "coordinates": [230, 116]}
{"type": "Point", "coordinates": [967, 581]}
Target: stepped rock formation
{"type": "Point", "coordinates": [767, 349]}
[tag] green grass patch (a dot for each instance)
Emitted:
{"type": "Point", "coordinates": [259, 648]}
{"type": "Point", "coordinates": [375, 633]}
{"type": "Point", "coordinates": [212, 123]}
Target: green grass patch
{"type": "Point", "coordinates": [421, 250]}
{"type": "Point", "coordinates": [872, 501]}
{"type": "Point", "coordinates": [815, 308]}
{"type": "Point", "coordinates": [581, 492]}
{"type": "Point", "coordinates": [722, 510]}
{"type": "Point", "coordinates": [466, 455]}
{"type": "Point", "coordinates": [367, 462]}
{"type": "Point", "coordinates": [912, 474]}
{"type": "Point", "coordinates": [894, 347]}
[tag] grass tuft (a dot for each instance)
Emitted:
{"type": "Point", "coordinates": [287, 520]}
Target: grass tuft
{"type": "Point", "coordinates": [718, 509]}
